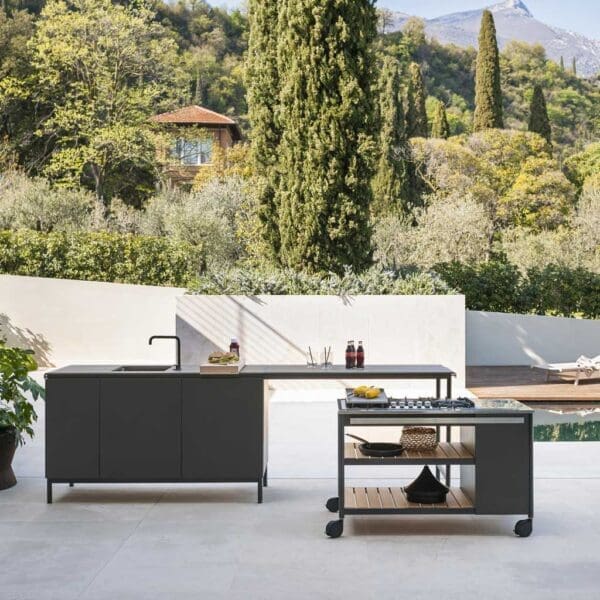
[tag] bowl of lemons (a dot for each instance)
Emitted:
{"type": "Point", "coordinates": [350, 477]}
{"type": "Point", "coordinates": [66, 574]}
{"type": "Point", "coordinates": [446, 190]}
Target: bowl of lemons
{"type": "Point", "coordinates": [367, 391]}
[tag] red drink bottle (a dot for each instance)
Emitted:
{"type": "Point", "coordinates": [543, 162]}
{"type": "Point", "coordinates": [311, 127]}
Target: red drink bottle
{"type": "Point", "coordinates": [350, 354]}
{"type": "Point", "coordinates": [360, 356]}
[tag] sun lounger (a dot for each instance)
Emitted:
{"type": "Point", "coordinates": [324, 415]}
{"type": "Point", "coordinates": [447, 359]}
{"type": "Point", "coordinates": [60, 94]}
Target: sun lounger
{"type": "Point", "coordinates": [584, 367]}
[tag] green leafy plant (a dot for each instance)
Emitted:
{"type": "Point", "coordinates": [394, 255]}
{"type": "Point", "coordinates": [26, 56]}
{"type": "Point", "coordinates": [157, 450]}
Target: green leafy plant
{"type": "Point", "coordinates": [101, 256]}
{"type": "Point", "coordinates": [16, 411]}
{"type": "Point", "coordinates": [500, 287]}
{"type": "Point", "coordinates": [375, 281]}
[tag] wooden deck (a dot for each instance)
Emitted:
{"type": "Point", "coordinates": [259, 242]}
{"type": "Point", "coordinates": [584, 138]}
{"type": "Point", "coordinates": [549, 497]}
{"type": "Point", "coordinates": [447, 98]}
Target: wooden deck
{"type": "Point", "coordinates": [528, 385]}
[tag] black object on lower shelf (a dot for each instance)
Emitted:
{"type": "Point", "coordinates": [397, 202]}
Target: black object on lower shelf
{"type": "Point", "coordinates": [378, 449]}
{"type": "Point", "coordinates": [426, 489]}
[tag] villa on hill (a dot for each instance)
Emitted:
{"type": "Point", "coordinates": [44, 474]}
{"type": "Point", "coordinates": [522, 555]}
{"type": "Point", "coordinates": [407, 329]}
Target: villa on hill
{"type": "Point", "coordinates": [194, 132]}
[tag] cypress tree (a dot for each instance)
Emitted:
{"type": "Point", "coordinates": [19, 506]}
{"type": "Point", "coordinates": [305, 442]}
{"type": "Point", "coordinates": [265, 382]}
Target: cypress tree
{"type": "Point", "coordinates": [391, 183]}
{"type": "Point", "coordinates": [416, 113]}
{"type": "Point", "coordinates": [439, 126]}
{"type": "Point", "coordinates": [538, 116]}
{"type": "Point", "coordinates": [327, 122]}
{"type": "Point", "coordinates": [262, 83]}
{"type": "Point", "coordinates": [488, 92]}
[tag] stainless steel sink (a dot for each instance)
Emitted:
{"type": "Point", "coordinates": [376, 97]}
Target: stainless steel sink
{"type": "Point", "coordinates": [143, 368]}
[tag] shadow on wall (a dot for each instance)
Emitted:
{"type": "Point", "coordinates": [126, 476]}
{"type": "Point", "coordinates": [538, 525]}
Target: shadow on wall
{"type": "Point", "coordinates": [25, 338]}
{"type": "Point", "coordinates": [279, 329]}
{"type": "Point", "coordinates": [501, 339]}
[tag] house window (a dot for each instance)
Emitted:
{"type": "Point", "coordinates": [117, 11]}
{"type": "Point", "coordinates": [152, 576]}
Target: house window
{"type": "Point", "coordinates": [193, 152]}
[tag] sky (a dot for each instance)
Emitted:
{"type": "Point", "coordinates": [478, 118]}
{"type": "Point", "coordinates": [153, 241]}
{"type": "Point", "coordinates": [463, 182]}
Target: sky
{"type": "Point", "coordinates": [581, 16]}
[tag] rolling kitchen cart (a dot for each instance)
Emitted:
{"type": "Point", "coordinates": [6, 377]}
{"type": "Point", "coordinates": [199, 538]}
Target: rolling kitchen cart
{"type": "Point", "coordinates": [494, 452]}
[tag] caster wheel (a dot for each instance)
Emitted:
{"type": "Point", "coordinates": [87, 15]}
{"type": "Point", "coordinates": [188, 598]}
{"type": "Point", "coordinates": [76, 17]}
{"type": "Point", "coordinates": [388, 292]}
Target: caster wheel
{"type": "Point", "coordinates": [333, 504]}
{"type": "Point", "coordinates": [523, 528]}
{"type": "Point", "coordinates": [334, 528]}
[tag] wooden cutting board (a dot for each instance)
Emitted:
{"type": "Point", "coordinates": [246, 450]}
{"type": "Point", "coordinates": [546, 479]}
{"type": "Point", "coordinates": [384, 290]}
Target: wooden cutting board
{"type": "Point", "coordinates": [211, 369]}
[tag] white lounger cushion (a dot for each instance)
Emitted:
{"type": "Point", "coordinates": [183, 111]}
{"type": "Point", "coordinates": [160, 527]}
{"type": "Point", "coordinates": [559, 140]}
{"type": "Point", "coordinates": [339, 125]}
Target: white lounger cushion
{"type": "Point", "coordinates": [583, 363]}
{"type": "Point", "coordinates": [584, 366]}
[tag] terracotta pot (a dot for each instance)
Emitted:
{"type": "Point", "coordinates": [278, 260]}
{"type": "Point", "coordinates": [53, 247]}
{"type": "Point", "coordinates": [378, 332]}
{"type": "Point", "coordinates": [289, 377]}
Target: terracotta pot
{"type": "Point", "coordinates": [8, 445]}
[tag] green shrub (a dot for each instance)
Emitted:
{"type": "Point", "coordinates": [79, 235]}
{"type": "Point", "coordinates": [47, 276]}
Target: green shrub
{"type": "Point", "coordinates": [99, 256]}
{"type": "Point", "coordinates": [32, 203]}
{"type": "Point", "coordinates": [492, 286]}
{"type": "Point", "coordinates": [499, 287]}
{"type": "Point", "coordinates": [376, 281]}
{"type": "Point", "coordinates": [558, 290]}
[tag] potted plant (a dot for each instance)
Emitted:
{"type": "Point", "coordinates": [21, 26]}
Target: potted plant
{"type": "Point", "coordinates": [17, 414]}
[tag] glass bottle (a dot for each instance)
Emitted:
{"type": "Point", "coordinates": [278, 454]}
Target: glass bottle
{"type": "Point", "coordinates": [234, 346]}
{"type": "Point", "coordinates": [360, 356]}
{"type": "Point", "coordinates": [350, 355]}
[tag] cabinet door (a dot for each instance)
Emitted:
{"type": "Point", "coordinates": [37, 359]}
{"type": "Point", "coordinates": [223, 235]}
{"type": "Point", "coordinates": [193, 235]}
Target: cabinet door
{"type": "Point", "coordinates": [140, 428]}
{"type": "Point", "coordinates": [503, 468]}
{"type": "Point", "coordinates": [72, 413]}
{"type": "Point", "coordinates": [223, 429]}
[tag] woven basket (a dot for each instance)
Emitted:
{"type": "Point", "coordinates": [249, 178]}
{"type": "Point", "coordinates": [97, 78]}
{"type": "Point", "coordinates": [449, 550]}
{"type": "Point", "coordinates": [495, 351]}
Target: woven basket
{"type": "Point", "coordinates": [418, 438]}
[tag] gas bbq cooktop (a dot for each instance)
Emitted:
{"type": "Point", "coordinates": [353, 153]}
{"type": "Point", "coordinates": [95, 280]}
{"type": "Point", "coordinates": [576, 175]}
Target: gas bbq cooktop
{"type": "Point", "coordinates": [417, 404]}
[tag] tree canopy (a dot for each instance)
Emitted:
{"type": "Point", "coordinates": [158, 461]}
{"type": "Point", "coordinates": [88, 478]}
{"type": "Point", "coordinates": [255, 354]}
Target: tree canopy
{"type": "Point", "coordinates": [99, 70]}
{"type": "Point", "coordinates": [326, 115]}
{"type": "Point", "coordinates": [488, 91]}
{"type": "Point", "coordinates": [538, 115]}
{"type": "Point", "coordinates": [392, 181]}
{"type": "Point", "coordinates": [416, 112]}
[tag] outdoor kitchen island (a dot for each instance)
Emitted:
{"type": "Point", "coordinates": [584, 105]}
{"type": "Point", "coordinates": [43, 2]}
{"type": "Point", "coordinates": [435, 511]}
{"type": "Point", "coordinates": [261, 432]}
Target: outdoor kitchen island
{"type": "Point", "coordinates": [159, 424]}
{"type": "Point", "coordinates": [490, 441]}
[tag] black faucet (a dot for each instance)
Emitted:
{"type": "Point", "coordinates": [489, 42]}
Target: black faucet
{"type": "Point", "coordinates": [170, 337]}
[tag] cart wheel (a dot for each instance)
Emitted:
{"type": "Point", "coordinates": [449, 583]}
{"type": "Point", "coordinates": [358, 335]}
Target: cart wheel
{"type": "Point", "coordinates": [333, 504]}
{"type": "Point", "coordinates": [523, 528]}
{"type": "Point", "coordinates": [335, 528]}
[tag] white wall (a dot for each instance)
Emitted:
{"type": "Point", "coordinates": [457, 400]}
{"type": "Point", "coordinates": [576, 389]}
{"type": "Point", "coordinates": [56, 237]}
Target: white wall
{"type": "Point", "coordinates": [503, 339]}
{"type": "Point", "coordinates": [279, 329]}
{"type": "Point", "coordinates": [87, 322]}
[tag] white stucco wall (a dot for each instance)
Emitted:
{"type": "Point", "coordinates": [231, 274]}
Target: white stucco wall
{"type": "Point", "coordinates": [503, 339]}
{"type": "Point", "coordinates": [279, 329]}
{"type": "Point", "coordinates": [85, 322]}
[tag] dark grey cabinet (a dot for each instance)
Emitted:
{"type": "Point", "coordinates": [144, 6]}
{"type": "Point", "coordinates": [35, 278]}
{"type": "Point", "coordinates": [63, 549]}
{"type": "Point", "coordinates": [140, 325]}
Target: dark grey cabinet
{"type": "Point", "coordinates": [72, 449]}
{"type": "Point", "coordinates": [224, 429]}
{"type": "Point", "coordinates": [140, 428]}
{"type": "Point", "coordinates": [155, 428]}
{"type": "Point", "coordinates": [503, 473]}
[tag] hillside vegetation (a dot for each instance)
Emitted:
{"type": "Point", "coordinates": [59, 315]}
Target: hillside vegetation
{"type": "Point", "coordinates": [363, 150]}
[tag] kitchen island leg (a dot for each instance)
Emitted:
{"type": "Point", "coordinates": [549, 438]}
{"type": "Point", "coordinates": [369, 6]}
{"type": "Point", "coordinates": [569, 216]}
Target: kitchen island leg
{"type": "Point", "coordinates": [260, 490]}
{"type": "Point", "coordinates": [48, 491]}
{"type": "Point", "coordinates": [334, 529]}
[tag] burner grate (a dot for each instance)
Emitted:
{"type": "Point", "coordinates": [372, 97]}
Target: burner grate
{"type": "Point", "coordinates": [456, 403]}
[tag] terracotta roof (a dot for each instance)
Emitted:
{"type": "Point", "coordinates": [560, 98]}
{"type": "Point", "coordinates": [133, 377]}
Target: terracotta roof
{"type": "Point", "coordinates": [197, 115]}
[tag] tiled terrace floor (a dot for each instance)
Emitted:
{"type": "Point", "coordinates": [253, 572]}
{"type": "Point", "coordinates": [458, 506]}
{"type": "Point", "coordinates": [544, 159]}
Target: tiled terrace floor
{"type": "Point", "coordinates": [213, 542]}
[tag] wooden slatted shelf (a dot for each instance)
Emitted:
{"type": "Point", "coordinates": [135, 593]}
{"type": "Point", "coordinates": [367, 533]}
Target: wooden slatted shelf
{"type": "Point", "coordinates": [446, 453]}
{"type": "Point", "coordinates": [392, 500]}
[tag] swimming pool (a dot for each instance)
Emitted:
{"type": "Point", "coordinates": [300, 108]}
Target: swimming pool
{"type": "Point", "coordinates": [566, 422]}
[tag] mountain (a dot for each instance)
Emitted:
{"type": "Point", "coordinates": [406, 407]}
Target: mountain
{"type": "Point", "coordinates": [514, 21]}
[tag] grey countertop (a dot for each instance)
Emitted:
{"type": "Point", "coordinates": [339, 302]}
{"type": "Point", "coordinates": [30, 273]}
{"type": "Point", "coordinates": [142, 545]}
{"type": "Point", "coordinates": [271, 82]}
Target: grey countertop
{"type": "Point", "coordinates": [299, 372]}
{"type": "Point", "coordinates": [504, 406]}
